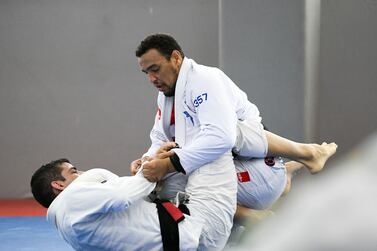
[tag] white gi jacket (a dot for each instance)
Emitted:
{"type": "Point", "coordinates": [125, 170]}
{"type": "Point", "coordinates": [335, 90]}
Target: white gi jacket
{"type": "Point", "coordinates": [207, 107]}
{"type": "Point", "coordinates": [101, 211]}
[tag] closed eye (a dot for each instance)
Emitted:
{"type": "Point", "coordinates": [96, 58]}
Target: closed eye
{"type": "Point", "coordinates": [74, 170]}
{"type": "Point", "coordinates": [153, 68]}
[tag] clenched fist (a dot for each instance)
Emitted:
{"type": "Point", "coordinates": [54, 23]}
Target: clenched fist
{"type": "Point", "coordinates": [156, 169]}
{"type": "Point", "coordinates": [136, 164]}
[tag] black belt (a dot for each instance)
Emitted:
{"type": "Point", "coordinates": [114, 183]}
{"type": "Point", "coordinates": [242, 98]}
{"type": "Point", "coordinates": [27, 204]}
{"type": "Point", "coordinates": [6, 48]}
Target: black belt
{"type": "Point", "coordinates": [169, 216]}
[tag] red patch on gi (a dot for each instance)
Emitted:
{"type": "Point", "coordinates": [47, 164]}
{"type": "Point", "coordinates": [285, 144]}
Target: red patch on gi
{"type": "Point", "coordinates": [158, 114]}
{"type": "Point", "coordinates": [172, 117]}
{"type": "Point", "coordinates": [270, 161]}
{"type": "Point", "coordinates": [243, 176]}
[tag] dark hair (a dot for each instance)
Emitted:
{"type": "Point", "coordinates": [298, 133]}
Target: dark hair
{"type": "Point", "coordinates": [163, 43]}
{"type": "Point", "coordinates": [41, 181]}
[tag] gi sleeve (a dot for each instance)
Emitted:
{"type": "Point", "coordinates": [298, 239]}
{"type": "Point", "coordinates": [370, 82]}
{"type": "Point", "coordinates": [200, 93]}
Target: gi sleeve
{"type": "Point", "coordinates": [214, 107]}
{"type": "Point", "coordinates": [113, 195]}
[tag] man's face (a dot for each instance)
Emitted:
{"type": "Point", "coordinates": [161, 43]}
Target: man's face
{"type": "Point", "coordinates": [69, 172]}
{"type": "Point", "coordinates": [162, 73]}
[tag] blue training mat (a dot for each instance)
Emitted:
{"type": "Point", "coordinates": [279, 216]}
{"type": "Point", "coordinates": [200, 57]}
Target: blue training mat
{"type": "Point", "coordinates": [30, 233]}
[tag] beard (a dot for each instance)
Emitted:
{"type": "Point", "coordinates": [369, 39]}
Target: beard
{"type": "Point", "coordinates": [170, 92]}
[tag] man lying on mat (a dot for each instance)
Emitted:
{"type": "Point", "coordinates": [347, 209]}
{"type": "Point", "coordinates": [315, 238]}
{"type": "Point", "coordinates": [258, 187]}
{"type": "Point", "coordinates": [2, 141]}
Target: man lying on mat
{"type": "Point", "coordinates": [98, 210]}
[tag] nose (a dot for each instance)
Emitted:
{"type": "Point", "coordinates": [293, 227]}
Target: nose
{"type": "Point", "coordinates": [152, 77]}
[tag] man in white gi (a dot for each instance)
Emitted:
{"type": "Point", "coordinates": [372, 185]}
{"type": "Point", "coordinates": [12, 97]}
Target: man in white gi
{"type": "Point", "coordinates": [97, 210]}
{"type": "Point", "coordinates": [261, 181]}
{"type": "Point", "coordinates": [199, 108]}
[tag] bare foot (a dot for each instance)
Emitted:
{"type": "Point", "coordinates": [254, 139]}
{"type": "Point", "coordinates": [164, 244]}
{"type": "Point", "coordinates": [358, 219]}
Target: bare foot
{"type": "Point", "coordinates": [319, 156]}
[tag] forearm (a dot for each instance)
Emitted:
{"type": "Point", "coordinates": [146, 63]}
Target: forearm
{"type": "Point", "coordinates": [131, 189]}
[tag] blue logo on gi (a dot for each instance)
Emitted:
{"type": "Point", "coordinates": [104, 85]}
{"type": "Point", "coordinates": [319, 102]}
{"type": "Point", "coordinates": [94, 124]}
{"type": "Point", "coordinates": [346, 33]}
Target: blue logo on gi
{"type": "Point", "coordinates": [189, 116]}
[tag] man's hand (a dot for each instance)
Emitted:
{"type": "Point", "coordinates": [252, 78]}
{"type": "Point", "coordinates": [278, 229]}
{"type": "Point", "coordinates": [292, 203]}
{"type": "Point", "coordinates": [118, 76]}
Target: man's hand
{"type": "Point", "coordinates": [164, 155]}
{"type": "Point", "coordinates": [156, 169]}
{"type": "Point", "coordinates": [136, 164]}
{"type": "Point", "coordinates": [165, 150]}
{"type": "Point", "coordinates": [166, 147]}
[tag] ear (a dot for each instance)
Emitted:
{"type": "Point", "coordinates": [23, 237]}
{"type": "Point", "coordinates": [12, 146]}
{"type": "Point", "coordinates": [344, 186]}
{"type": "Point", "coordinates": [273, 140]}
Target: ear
{"type": "Point", "coordinates": [58, 185]}
{"type": "Point", "coordinates": [176, 57]}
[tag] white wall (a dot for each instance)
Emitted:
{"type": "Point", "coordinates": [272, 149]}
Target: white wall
{"type": "Point", "coordinates": [70, 85]}
{"type": "Point", "coordinates": [262, 46]}
{"type": "Point", "coordinates": [348, 72]}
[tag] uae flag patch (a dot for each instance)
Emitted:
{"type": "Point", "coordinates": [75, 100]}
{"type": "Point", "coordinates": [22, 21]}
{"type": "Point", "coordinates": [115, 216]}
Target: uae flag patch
{"type": "Point", "coordinates": [243, 176]}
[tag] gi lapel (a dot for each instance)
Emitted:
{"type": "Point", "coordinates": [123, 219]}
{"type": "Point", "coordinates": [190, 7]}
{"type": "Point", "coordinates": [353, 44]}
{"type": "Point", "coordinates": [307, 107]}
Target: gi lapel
{"type": "Point", "coordinates": [179, 99]}
{"type": "Point", "coordinates": [167, 106]}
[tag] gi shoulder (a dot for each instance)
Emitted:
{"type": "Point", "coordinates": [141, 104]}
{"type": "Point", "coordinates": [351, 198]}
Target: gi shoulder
{"type": "Point", "coordinates": [203, 73]}
{"type": "Point", "coordinates": [98, 175]}
{"type": "Point", "coordinates": [203, 79]}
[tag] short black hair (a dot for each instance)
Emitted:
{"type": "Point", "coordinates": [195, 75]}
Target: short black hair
{"type": "Point", "coordinates": [163, 43]}
{"type": "Point", "coordinates": [41, 181]}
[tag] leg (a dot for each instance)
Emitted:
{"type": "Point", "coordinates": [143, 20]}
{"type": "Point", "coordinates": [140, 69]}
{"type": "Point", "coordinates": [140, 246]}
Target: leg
{"type": "Point", "coordinates": [244, 214]}
{"type": "Point", "coordinates": [292, 167]}
{"type": "Point", "coordinates": [213, 198]}
{"type": "Point", "coordinates": [313, 156]}
{"type": "Point", "coordinates": [259, 184]}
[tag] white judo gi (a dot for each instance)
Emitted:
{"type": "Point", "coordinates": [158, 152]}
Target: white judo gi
{"type": "Point", "coordinates": [260, 182]}
{"type": "Point", "coordinates": [101, 211]}
{"type": "Point", "coordinates": [207, 106]}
